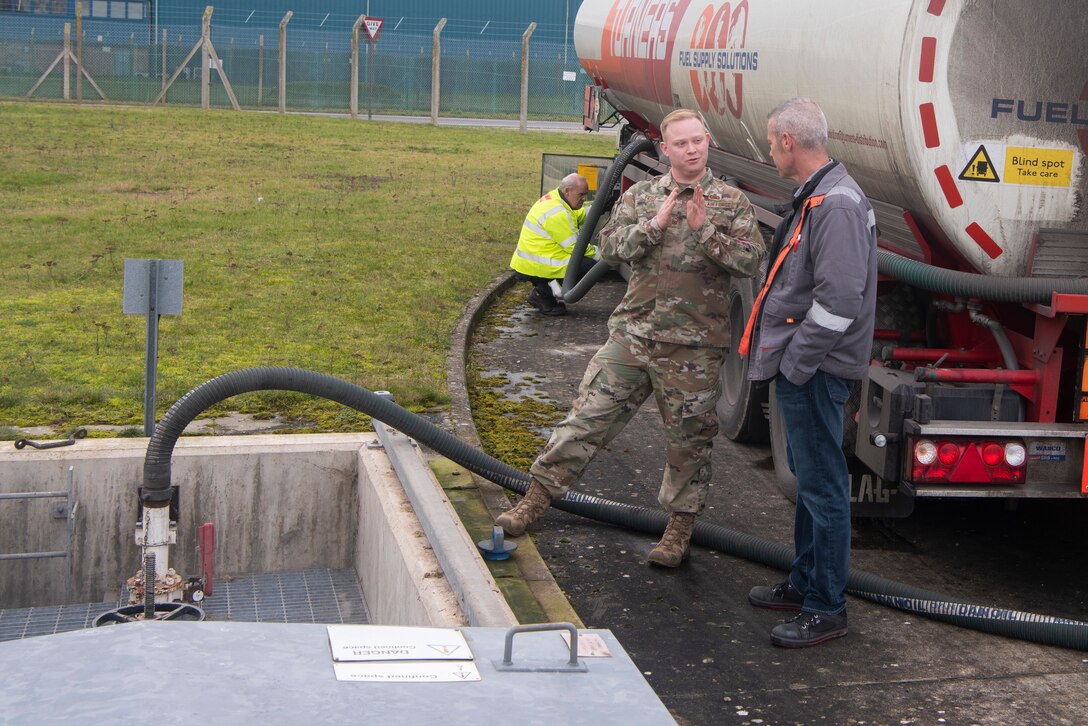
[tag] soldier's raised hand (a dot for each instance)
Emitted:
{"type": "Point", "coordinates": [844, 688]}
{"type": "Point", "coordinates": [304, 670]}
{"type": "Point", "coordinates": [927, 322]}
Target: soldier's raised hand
{"type": "Point", "coordinates": [696, 209]}
{"type": "Point", "coordinates": [665, 211]}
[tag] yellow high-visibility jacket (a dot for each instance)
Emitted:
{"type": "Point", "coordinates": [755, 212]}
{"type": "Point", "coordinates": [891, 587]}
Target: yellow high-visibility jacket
{"type": "Point", "coordinates": [548, 236]}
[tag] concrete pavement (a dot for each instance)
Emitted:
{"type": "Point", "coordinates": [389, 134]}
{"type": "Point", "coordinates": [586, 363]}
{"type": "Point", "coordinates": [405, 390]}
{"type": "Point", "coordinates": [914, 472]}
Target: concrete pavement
{"type": "Point", "coordinates": [707, 652]}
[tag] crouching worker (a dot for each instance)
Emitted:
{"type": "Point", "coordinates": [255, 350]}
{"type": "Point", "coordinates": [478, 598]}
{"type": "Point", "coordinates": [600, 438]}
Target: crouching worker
{"type": "Point", "coordinates": [547, 241]}
{"type": "Point", "coordinates": [683, 235]}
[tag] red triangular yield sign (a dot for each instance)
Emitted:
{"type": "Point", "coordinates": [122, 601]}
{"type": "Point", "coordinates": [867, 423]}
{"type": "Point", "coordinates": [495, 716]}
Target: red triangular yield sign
{"type": "Point", "coordinates": [373, 27]}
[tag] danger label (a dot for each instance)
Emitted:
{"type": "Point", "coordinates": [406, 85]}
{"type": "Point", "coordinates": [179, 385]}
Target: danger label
{"type": "Point", "coordinates": [1044, 167]}
{"type": "Point", "coordinates": [980, 168]}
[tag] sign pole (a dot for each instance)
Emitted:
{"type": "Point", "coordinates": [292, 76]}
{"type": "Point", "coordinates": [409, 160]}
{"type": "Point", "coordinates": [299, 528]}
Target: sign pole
{"type": "Point", "coordinates": [152, 288]}
{"type": "Point", "coordinates": [369, 79]}
{"type": "Point", "coordinates": [373, 30]}
{"type": "Point", "coordinates": [152, 356]}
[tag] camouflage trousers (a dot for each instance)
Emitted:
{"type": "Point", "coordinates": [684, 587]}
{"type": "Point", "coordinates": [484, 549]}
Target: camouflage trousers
{"type": "Point", "coordinates": [684, 380]}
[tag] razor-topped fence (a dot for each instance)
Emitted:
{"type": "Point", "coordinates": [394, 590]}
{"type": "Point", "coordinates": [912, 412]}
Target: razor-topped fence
{"type": "Point", "coordinates": [293, 61]}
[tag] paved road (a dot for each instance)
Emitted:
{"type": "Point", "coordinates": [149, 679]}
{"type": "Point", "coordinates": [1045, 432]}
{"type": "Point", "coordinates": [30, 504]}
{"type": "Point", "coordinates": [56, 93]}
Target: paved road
{"type": "Point", "coordinates": [707, 652]}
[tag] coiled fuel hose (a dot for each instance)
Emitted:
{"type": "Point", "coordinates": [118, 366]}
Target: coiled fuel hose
{"type": "Point", "coordinates": [156, 489]}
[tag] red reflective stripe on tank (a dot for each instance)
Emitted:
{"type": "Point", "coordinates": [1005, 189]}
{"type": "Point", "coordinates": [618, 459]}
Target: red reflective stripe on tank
{"type": "Point", "coordinates": [929, 53]}
{"type": "Point", "coordinates": [985, 241]}
{"type": "Point", "coordinates": [1084, 469]}
{"type": "Point", "coordinates": [936, 7]}
{"type": "Point", "coordinates": [948, 186]}
{"type": "Point", "coordinates": [929, 125]}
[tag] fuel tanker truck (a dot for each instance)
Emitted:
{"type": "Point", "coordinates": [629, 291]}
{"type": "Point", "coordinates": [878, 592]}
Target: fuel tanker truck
{"type": "Point", "coordinates": [966, 124]}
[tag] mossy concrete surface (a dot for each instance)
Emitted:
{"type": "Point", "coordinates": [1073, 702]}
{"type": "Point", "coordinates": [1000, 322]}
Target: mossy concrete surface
{"type": "Point", "coordinates": [524, 580]}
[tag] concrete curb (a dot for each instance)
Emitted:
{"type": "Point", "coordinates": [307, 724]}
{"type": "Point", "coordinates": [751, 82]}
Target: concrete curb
{"type": "Point", "coordinates": [531, 565]}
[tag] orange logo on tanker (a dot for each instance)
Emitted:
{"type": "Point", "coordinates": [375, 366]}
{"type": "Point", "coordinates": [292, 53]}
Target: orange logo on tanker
{"type": "Point", "coordinates": [715, 59]}
{"type": "Point", "coordinates": [637, 46]}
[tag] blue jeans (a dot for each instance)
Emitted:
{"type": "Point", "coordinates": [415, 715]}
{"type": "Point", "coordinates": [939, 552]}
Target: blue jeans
{"type": "Point", "coordinates": [813, 415]}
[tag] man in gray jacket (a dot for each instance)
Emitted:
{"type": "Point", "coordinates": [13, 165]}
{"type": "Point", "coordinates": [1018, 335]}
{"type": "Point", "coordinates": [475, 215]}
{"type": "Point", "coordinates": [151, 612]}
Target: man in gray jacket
{"type": "Point", "coordinates": [811, 331]}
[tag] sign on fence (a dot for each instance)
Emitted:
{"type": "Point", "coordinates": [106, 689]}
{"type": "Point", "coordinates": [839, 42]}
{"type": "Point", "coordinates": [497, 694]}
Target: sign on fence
{"type": "Point", "coordinates": [373, 27]}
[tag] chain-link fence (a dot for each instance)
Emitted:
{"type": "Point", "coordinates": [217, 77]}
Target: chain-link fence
{"type": "Point", "coordinates": [129, 59]}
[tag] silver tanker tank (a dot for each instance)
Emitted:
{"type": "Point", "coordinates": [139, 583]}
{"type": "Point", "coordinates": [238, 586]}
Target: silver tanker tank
{"type": "Point", "coordinates": [967, 120]}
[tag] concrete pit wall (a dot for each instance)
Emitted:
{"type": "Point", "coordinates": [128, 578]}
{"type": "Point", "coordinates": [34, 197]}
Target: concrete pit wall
{"type": "Point", "coordinates": [278, 502]}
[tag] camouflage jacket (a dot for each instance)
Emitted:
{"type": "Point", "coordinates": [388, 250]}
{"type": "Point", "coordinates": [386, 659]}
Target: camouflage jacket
{"type": "Point", "coordinates": [679, 282]}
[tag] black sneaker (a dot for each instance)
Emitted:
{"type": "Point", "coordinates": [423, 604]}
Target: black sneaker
{"type": "Point", "coordinates": [545, 306]}
{"type": "Point", "coordinates": [808, 629]}
{"type": "Point", "coordinates": [776, 597]}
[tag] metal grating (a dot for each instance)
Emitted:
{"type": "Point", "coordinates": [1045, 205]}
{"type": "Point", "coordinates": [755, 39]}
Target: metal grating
{"type": "Point", "coordinates": [1060, 253]}
{"type": "Point", "coordinates": [306, 596]}
{"type": "Point", "coordinates": [16, 624]}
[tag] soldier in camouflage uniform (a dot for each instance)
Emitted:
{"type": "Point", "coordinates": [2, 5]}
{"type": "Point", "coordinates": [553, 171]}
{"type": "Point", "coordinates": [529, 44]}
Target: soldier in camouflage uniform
{"type": "Point", "coordinates": [683, 234]}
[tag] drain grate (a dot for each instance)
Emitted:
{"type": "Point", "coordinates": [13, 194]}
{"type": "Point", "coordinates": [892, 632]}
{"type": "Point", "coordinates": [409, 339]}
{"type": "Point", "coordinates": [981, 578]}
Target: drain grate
{"type": "Point", "coordinates": [306, 596]}
{"type": "Point", "coordinates": [29, 622]}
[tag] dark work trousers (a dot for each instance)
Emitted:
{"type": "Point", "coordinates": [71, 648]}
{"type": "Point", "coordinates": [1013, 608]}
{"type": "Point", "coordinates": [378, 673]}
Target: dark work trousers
{"type": "Point", "coordinates": [541, 283]}
{"type": "Point", "coordinates": [813, 415]}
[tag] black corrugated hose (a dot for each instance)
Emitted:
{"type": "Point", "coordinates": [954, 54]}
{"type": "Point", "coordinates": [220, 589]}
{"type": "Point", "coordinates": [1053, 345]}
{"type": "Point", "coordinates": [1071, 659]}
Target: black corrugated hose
{"type": "Point", "coordinates": [602, 204]}
{"type": "Point", "coordinates": [1010, 623]}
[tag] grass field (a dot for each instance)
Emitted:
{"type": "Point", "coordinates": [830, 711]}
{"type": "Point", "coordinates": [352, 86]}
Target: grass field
{"type": "Point", "coordinates": [343, 247]}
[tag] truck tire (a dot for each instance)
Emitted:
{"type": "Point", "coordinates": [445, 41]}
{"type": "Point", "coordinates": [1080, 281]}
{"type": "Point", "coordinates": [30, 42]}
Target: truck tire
{"type": "Point", "coordinates": [741, 408]}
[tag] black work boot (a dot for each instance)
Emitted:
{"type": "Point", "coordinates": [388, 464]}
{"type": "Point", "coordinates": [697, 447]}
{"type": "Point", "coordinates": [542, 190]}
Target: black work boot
{"type": "Point", "coordinates": [809, 629]}
{"type": "Point", "coordinates": [545, 302]}
{"type": "Point", "coordinates": [776, 597]}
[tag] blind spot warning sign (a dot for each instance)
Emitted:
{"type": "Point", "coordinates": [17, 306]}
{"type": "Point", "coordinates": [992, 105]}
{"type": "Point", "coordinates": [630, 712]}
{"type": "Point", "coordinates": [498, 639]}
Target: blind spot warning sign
{"type": "Point", "coordinates": [980, 168]}
{"type": "Point", "coordinates": [1040, 166]}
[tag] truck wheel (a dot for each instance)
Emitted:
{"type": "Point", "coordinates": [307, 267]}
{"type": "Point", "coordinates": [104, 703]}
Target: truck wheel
{"type": "Point", "coordinates": [741, 406]}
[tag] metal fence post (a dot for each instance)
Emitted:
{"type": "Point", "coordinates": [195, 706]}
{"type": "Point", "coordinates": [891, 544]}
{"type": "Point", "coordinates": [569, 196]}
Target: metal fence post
{"type": "Point", "coordinates": [67, 59]}
{"type": "Point", "coordinates": [164, 44]}
{"type": "Point", "coordinates": [523, 124]}
{"type": "Point", "coordinates": [355, 66]}
{"type": "Point", "coordinates": [283, 60]}
{"type": "Point", "coordinates": [260, 71]}
{"type": "Point", "coordinates": [436, 70]}
{"type": "Point", "coordinates": [205, 58]}
{"type": "Point", "coordinates": [79, 51]}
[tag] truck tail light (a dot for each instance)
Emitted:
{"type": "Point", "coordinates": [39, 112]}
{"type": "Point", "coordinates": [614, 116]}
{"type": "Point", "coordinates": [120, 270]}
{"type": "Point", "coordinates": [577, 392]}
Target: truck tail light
{"type": "Point", "coordinates": [965, 461]}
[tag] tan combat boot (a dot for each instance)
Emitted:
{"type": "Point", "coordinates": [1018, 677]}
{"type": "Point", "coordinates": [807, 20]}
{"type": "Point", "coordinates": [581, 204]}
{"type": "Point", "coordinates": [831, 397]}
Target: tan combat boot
{"type": "Point", "coordinates": [674, 546]}
{"type": "Point", "coordinates": [531, 507]}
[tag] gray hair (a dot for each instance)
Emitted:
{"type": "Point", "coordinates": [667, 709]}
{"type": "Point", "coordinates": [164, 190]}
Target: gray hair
{"type": "Point", "coordinates": [803, 120]}
{"type": "Point", "coordinates": [570, 181]}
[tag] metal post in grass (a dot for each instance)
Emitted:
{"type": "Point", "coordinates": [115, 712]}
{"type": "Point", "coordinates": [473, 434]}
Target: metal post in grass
{"type": "Point", "coordinates": [436, 70]}
{"type": "Point", "coordinates": [260, 71]}
{"type": "Point", "coordinates": [152, 288]}
{"type": "Point", "coordinates": [205, 58]}
{"type": "Point", "coordinates": [523, 124]}
{"type": "Point", "coordinates": [355, 66]}
{"type": "Point", "coordinates": [373, 30]}
{"type": "Point", "coordinates": [79, 51]}
{"type": "Point", "coordinates": [67, 58]}
{"type": "Point", "coordinates": [283, 60]}
{"type": "Point", "coordinates": [162, 74]}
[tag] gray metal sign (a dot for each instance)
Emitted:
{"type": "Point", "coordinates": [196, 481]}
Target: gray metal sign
{"type": "Point", "coordinates": [152, 288]}
{"type": "Point", "coordinates": [141, 297]}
